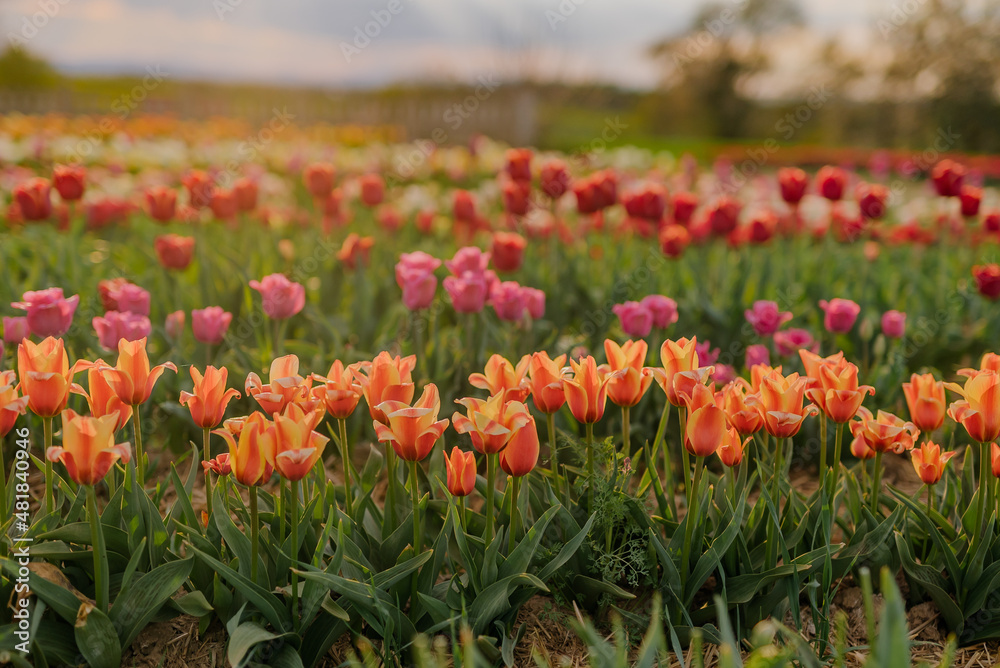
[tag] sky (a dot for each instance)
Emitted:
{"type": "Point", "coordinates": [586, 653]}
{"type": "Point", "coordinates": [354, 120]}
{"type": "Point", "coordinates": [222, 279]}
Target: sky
{"type": "Point", "coordinates": [352, 43]}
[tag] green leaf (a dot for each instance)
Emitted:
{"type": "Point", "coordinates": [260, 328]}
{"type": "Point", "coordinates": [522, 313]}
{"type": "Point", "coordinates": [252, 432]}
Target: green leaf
{"type": "Point", "coordinates": [567, 551]}
{"type": "Point", "coordinates": [96, 638]}
{"type": "Point", "coordinates": [193, 603]}
{"type": "Point", "coordinates": [115, 539]}
{"type": "Point", "coordinates": [238, 541]}
{"type": "Point", "coordinates": [247, 636]}
{"type": "Point", "coordinates": [593, 587]}
{"type": "Point", "coordinates": [138, 603]}
{"type": "Point", "coordinates": [930, 579]}
{"type": "Point", "coordinates": [495, 599]}
{"type": "Point", "coordinates": [63, 601]}
{"type": "Point", "coordinates": [519, 560]}
{"type": "Point", "coordinates": [265, 602]}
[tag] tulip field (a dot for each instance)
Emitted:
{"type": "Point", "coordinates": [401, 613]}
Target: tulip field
{"type": "Point", "coordinates": [346, 400]}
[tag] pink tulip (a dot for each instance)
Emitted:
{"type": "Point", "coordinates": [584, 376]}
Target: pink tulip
{"type": "Point", "coordinates": [664, 310]}
{"type": "Point", "coordinates": [509, 300]}
{"type": "Point", "coordinates": [174, 325]}
{"type": "Point", "coordinates": [636, 320]}
{"type": "Point", "coordinates": [723, 374]}
{"type": "Point", "coordinates": [466, 259]}
{"type": "Point", "coordinates": [468, 291]}
{"type": "Point", "coordinates": [840, 314]}
{"type": "Point", "coordinates": [535, 300]}
{"type": "Point", "coordinates": [130, 298]}
{"type": "Point", "coordinates": [15, 329]}
{"type": "Point", "coordinates": [706, 356]}
{"type": "Point", "coordinates": [49, 312]}
{"type": "Point", "coordinates": [281, 297]}
{"type": "Point", "coordinates": [114, 326]}
{"type": "Point", "coordinates": [210, 324]}
{"type": "Point", "coordinates": [766, 317]}
{"type": "Point", "coordinates": [894, 324]}
{"type": "Point", "coordinates": [790, 341]}
{"type": "Point", "coordinates": [419, 288]}
{"type": "Point", "coordinates": [758, 354]}
{"type": "Point", "coordinates": [411, 263]}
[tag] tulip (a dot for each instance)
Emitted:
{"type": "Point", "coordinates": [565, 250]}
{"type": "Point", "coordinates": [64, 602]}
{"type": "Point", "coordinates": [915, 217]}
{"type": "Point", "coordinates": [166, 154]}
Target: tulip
{"type": "Point", "coordinates": [861, 450]}
{"type": "Point", "coordinates": [507, 251]}
{"type": "Point", "coordinates": [245, 193]}
{"type": "Point", "coordinates": [636, 320]}
{"type": "Point", "coordinates": [509, 301]}
{"type": "Point", "coordinates": [664, 310]}
{"type": "Point", "coordinates": [780, 401]}
{"type": "Point", "coordinates": [741, 414]}
{"type": "Point", "coordinates": [894, 324]}
{"type": "Point", "coordinates": [761, 227]}
{"type": "Point", "coordinates": [534, 300]}
{"type": "Point", "coordinates": [502, 377]}
{"type": "Point", "coordinates": [340, 393]}
{"type": "Point", "coordinates": [88, 452]}
{"type": "Point", "coordinates": [174, 325]}
{"type": "Point", "coordinates": [970, 198]}
{"type": "Point", "coordinates": [724, 373]}
{"type": "Point", "coordinates": [101, 399]}
{"type": "Point", "coordinates": [468, 259]}
{"type": "Point", "coordinates": [676, 357]}
{"type": "Point", "coordinates": [517, 460]}
{"type": "Point", "coordinates": [174, 251]}
{"type": "Point", "coordinates": [882, 433]}
{"type": "Point", "coordinates": [113, 326]}
{"type": "Point", "coordinates": [872, 200]}
{"type": "Point", "coordinates": [757, 353]}
{"type": "Point", "coordinates": [926, 401]}
{"type": "Point", "coordinates": [627, 383]}
{"type": "Point", "coordinates": [554, 178]}
{"type": "Point", "coordinates": [415, 276]}
{"type": "Point", "coordinates": [979, 409]}
{"type": "Point", "coordinates": [987, 278]}
{"type": "Point", "coordinates": [161, 202]}
{"type": "Point", "coordinates": [219, 465]}
{"type": "Point", "coordinates": [947, 177]}
{"type": "Point", "coordinates": [831, 182]}
{"type": "Point", "coordinates": [790, 341]}
{"type": "Point", "coordinates": [34, 199]}
{"type": "Point", "coordinates": [840, 314]}
{"type": "Point", "coordinates": [518, 166]}
{"type": "Point", "coordinates": [468, 291]}
{"type": "Point", "coordinates": [838, 394]}
{"type": "Point", "coordinates": [683, 205]}
{"type": "Point", "coordinates": [132, 380]}
{"type": "Point", "coordinates": [207, 403]}
{"type": "Point", "coordinates": [199, 186]}
{"type": "Point", "coordinates": [49, 312]}
{"type": "Point", "coordinates": [285, 386]}
{"type": "Point", "coordinates": [793, 183]}
{"type": "Point", "coordinates": [673, 240]}
{"type": "Point", "coordinates": [413, 431]}
{"type": "Point", "coordinates": [318, 178]}
{"type": "Point", "coordinates": [516, 196]}
{"type": "Point", "coordinates": [461, 469]}
{"type": "Point", "coordinates": [68, 181]}
{"type": "Point", "coordinates": [463, 207]}
{"type": "Point", "coordinates": [929, 461]}
{"type": "Point", "coordinates": [45, 376]}
{"type": "Point", "coordinates": [297, 446]}
{"type": "Point", "coordinates": [281, 297]}
{"type": "Point", "coordinates": [125, 297]}
{"type": "Point", "coordinates": [11, 405]}
{"type": "Point", "coordinates": [706, 354]}
{"type": "Point", "coordinates": [210, 324]}
{"type": "Point", "coordinates": [249, 456]}
{"type": "Point", "coordinates": [355, 251]}
{"type": "Point", "coordinates": [372, 189]}
{"type": "Point", "coordinates": [15, 329]}
{"type": "Point", "coordinates": [766, 318]}
{"type": "Point", "coordinates": [706, 428]}
{"type": "Point", "coordinates": [732, 448]}
{"type": "Point", "coordinates": [586, 390]}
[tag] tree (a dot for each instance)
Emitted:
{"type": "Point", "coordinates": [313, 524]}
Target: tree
{"type": "Point", "coordinates": [20, 70]}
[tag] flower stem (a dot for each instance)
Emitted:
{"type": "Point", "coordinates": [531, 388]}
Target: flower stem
{"type": "Point", "coordinates": [415, 505]}
{"type": "Point", "coordinates": [553, 453]}
{"type": "Point", "coordinates": [50, 499]}
{"type": "Point", "coordinates": [668, 474]}
{"type": "Point", "coordinates": [207, 457]}
{"type": "Point", "coordinates": [877, 482]}
{"type": "Point", "coordinates": [590, 465]}
{"type": "Point", "coordinates": [390, 490]}
{"type": "Point", "coordinates": [985, 473]}
{"type": "Point", "coordinates": [279, 509]}
{"type": "Point", "coordinates": [295, 554]}
{"type": "Point", "coordinates": [837, 448]}
{"type": "Point", "coordinates": [346, 456]}
{"type": "Point", "coordinates": [254, 533]}
{"type": "Point", "coordinates": [822, 448]}
{"type": "Point", "coordinates": [101, 583]}
{"type": "Point", "coordinates": [685, 458]}
{"type": "Point", "coordinates": [690, 519]}
{"type": "Point", "coordinates": [515, 515]}
{"type": "Point", "coordinates": [140, 456]}
{"type": "Point", "coordinates": [461, 513]}
{"type": "Point", "coordinates": [491, 474]}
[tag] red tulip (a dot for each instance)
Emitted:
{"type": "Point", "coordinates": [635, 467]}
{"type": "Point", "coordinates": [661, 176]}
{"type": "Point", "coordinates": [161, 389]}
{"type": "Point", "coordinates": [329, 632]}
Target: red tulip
{"type": "Point", "coordinates": [793, 183]}
{"type": "Point", "coordinates": [947, 176]}
{"type": "Point", "coordinates": [372, 189]}
{"type": "Point", "coordinates": [507, 251]}
{"type": "Point", "coordinates": [318, 178]}
{"type": "Point", "coordinates": [161, 203]}
{"type": "Point", "coordinates": [831, 182]}
{"type": "Point", "coordinates": [33, 198]}
{"type": "Point", "coordinates": [554, 178]}
{"type": "Point", "coordinates": [174, 251]}
{"type": "Point", "coordinates": [245, 192]}
{"type": "Point", "coordinates": [987, 278]}
{"type": "Point", "coordinates": [68, 181]}
{"type": "Point", "coordinates": [199, 186]}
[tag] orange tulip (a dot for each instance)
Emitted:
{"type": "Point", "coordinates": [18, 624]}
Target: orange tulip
{"type": "Point", "coordinates": [676, 357]}
{"type": "Point", "coordinates": [989, 362]}
{"type": "Point", "coordinates": [101, 399]}
{"type": "Point", "coordinates": [979, 409]}
{"type": "Point", "coordinates": [861, 449]}
{"type": "Point", "coordinates": [587, 390]}
{"type": "Point", "coordinates": [412, 430]}
{"type": "Point", "coordinates": [780, 402]}
{"type": "Point", "coordinates": [284, 385]}
{"type": "Point", "coordinates": [250, 456]}
{"type": "Point", "coordinates": [521, 453]}
{"type": "Point", "coordinates": [339, 392]}
{"type": "Point", "coordinates": [731, 449]}
{"type": "Point", "coordinates": [743, 417]}
{"type": "Point", "coordinates": [627, 382]}
{"type": "Point", "coordinates": [706, 429]}
{"type": "Point", "coordinates": [812, 362]}
{"type": "Point", "coordinates": [88, 447]}
{"type": "Point", "coordinates": [220, 465]}
{"type": "Point", "coordinates": [11, 405]}
{"type": "Point", "coordinates": [546, 382]}
{"type": "Point", "coordinates": [837, 392]}
{"type": "Point", "coordinates": [491, 422]}
{"type": "Point", "coordinates": [131, 378]}
{"type": "Point", "coordinates": [759, 372]}
{"type": "Point", "coordinates": [461, 468]}
{"type": "Point", "coordinates": [386, 378]}
{"type": "Point", "coordinates": [297, 447]}
{"type": "Point", "coordinates": [925, 399]}
{"type": "Point", "coordinates": [884, 432]}
{"type": "Point", "coordinates": [928, 461]}
{"type": "Point", "coordinates": [210, 398]}
{"type": "Point", "coordinates": [45, 375]}
{"type": "Point", "coordinates": [502, 376]}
